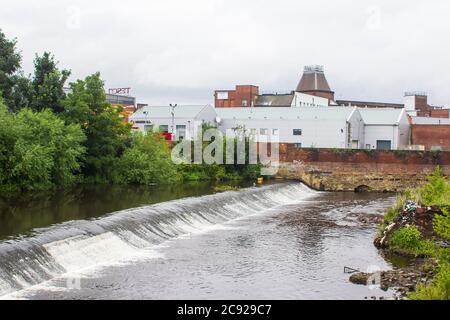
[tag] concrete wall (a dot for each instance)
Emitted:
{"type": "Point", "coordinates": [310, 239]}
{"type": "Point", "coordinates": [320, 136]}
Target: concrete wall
{"type": "Point", "coordinates": [374, 133]}
{"type": "Point", "coordinates": [307, 100]}
{"type": "Point", "coordinates": [346, 170]}
{"type": "Point", "coordinates": [318, 134]}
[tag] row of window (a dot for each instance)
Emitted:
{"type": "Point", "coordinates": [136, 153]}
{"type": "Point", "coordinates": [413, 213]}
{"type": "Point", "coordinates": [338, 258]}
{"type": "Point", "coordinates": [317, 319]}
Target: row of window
{"type": "Point", "coordinates": [275, 132]}
{"type": "Point", "coordinates": [180, 130]}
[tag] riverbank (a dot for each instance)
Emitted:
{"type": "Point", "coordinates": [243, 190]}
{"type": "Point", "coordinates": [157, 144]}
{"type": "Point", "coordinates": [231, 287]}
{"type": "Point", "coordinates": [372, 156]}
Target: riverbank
{"type": "Point", "coordinates": [418, 228]}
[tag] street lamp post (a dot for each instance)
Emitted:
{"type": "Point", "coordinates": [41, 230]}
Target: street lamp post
{"type": "Point", "coordinates": [146, 121]}
{"type": "Point", "coordinates": [173, 106]}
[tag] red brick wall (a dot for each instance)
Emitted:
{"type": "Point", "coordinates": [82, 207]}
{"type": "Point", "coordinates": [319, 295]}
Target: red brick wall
{"type": "Point", "coordinates": [288, 153]}
{"type": "Point", "coordinates": [431, 135]}
{"type": "Point", "coordinates": [345, 170]}
{"type": "Point", "coordinates": [236, 97]}
{"type": "Point", "coordinates": [436, 113]}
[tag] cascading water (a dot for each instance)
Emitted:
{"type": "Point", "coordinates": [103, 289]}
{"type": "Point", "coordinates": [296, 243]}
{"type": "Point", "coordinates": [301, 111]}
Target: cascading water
{"type": "Point", "coordinates": [77, 245]}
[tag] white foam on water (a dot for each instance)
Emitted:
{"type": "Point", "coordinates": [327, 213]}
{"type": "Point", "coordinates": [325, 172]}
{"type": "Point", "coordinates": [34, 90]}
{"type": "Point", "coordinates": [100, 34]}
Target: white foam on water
{"type": "Point", "coordinates": [85, 255]}
{"type": "Point", "coordinates": [78, 253]}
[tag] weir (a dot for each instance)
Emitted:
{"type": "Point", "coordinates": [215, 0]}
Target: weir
{"type": "Point", "coordinates": [78, 245]}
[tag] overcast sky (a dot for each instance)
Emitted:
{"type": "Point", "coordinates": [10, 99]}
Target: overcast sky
{"type": "Point", "coordinates": [178, 51]}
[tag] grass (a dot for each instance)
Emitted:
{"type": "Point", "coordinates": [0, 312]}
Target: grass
{"type": "Point", "coordinates": [439, 289]}
{"type": "Point", "coordinates": [408, 240]}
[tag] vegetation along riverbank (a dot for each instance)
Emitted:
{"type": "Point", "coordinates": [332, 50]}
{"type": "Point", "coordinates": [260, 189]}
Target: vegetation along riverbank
{"type": "Point", "coordinates": [53, 137]}
{"type": "Point", "coordinates": [417, 227]}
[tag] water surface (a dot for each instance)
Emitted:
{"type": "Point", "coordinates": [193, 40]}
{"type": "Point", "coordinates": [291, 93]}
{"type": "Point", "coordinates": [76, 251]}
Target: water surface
{"type": "Point", "coordinates": [279, 241]}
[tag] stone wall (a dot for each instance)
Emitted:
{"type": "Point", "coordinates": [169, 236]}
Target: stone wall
{"type": "Point", "coordinates": [349, 170]}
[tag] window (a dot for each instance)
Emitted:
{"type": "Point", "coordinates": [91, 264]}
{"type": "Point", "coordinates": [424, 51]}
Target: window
{"type": "Point", "coordinates": [244, 103]}
{"type": "Point", "coordinates": [368, 146]}
{"type": "Point", "coordinates": [297, 132]}
{"type": "Point", "coordinates": [180, 132]}
{"type": "Point", "coordinates": [384, 144]}
{"type": "Point", "coordinates": [263, 131]}
{"type": "Point", "coordinates": [223, 95]}
{"type": "Point", "coordinates": [164, 128]}
{"type": "Point", "coordinates": [275, 132]}
{"type": "Point", "coordinates": [297, 145]}
{"type": "Point", "coordinates": [148, 127]}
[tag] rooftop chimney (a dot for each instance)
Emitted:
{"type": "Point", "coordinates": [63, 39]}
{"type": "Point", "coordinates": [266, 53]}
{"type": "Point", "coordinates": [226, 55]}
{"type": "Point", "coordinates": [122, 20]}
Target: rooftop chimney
{"type": "Point", "coordinates": [314, 82]}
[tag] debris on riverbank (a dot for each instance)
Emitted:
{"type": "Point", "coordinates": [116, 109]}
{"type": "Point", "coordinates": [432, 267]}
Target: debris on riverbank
{"type": "Point", "coordinates": [402, 280]}
{"type": "Point", "coordinates": [418, 227]}
{"type": "Point", "coordinates": [412, 215]}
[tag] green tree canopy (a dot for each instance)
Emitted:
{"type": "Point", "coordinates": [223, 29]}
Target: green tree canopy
{"type": "Point", "coordinates": [10, 60]}
{"type": "Point", "coordinates": [39, 150]}
{"type": "Point", "coordinates": [107, 136]}
{"type": "Point", "coordinates": [48, 83]}
{"type": "Point", "coordinates": [148, 161]}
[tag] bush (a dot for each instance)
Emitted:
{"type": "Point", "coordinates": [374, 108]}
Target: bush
{"type": "Point", "coordinates": [441, 224]}
{"type": "Point", "coordinates": [409, 240]}
{"type": "Point", "coordinates": [390, 215]}
{"type": "Point", "coordinates": [437, 191]}
{"type": "Point", "coordinates": [38, 150]}
{"type": "Point", "coordinates": [148, 161]}
{"type": "Point", "coordinates": [439, 289]}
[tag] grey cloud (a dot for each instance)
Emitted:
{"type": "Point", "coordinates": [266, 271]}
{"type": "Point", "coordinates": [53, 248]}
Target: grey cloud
{"type": "Point", "coordinates": [179, 51]}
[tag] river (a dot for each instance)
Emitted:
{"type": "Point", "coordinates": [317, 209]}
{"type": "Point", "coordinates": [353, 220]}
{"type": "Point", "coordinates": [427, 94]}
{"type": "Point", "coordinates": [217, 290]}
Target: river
{"type": "Point", "coordinates": [276, 241]}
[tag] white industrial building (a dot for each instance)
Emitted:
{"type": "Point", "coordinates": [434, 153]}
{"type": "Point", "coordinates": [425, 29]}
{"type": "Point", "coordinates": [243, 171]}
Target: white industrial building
{"type": "Point", "coordinates": [292, 99]}
{"type": "Point", "coordinates": [183, 121]}
{"type": "Point", "coordinates": [336, 127]}
{"type": "Point", "coordinates": [317, 127]}
{"type": "Point", "coordinates": [385, 128]}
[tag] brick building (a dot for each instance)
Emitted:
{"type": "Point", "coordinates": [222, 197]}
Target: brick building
{"type": "Point", "coordinates": [314, 82]}
{"type": "Point", "coordinates": [416, 104]}
{"type": "Point", "coordinates": [430, 133]}
{"type": "Point", "coordinates": [243, 96]}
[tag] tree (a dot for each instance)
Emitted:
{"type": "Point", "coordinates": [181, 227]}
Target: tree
{"type": "Point", "coordinates": [437, 191]}
{"type": "Point", "coordinates": [107, 136]}
{"type": "Point", "coordinates": [48, 83]}
{"type": "Point", "coordinates": [148, 161]}
{"type": "Point", "coordinates": [39, 150]}
{"type": "Point", "coordinates": [10, 60]}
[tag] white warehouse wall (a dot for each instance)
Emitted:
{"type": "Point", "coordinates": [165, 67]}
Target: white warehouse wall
{"type": "Point", "coordinates": [315, 133]}
{"type": "Point", "coordinates": [307, 100]}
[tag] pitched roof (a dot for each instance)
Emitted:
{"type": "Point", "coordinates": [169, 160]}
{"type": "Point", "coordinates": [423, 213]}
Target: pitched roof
{"type": "Point", "coordinates": [166, 112]}
{"type": "Point", "coordinates": [274, 100]}
{"type": "Point", "coordinates": [381, 116]}
{"type": "Point", "coordinates": [313, 79]}
{"type": "Point", "coordinates": [286, 113]}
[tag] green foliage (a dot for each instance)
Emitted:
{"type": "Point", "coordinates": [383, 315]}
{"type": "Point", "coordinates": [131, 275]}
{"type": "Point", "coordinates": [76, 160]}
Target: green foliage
{"type": "Point", "coordinates": [409, 194]}
{"type": "Point", "coordinates": [48, 84]}
{"type": "Point", "coordinates": [107, 136]}
{"type": "Point", "coordinates": [148, 161]}
{"type": "Point", "coordinates": [409, 240]}
{"type": "Point", "coordinates": [223, 172]}
{"type": "Point", "coordinates": [10, 60]}
{"type": "Point", "coordinates": [390, 215]}
{"type": "Point", "coordinates": [39, 150]}
{"type": "Point", "coordinates": [441, 224]}
{"type": "Point", "coordinates": [439, 289]}
{"type": "Point", "coordinates": [437, 191]}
